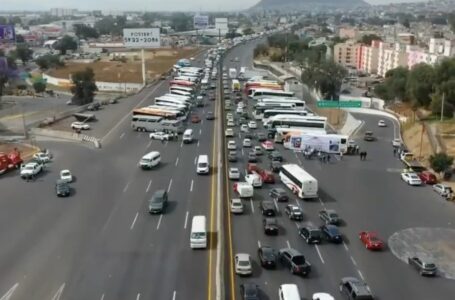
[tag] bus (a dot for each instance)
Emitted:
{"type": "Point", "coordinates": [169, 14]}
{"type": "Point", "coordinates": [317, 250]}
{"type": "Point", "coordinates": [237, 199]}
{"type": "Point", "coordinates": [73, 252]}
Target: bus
{"type": "Point", "coordinates": [181, 113]}
{"type": "Point", "coordinates": [250, 91]}
{"type": "Point", "coordinates": [181, 83]}
{"type": "Point", "coordinates": [260, 108]}
{"type": "Point", "coordinates": [328, 143]}
{"type": "Point", "coordinates": [181, 93]}
{"type": "Point", "coordinates": [167, 100]}
{"type": "Point", "coordinates": [181, 88]}
{"type": "Point", "coordinates": [292, 121]}
{"type": "Point", "coordinates": [299, 181]}
{"type": "Point", "coordinates": [144, 122]}
{"type": "Point", "coordinates": [279, 134]}
{"type": "Point", "coordinates": [273, 112]}
{"type": "Point", "coordinates": [186, 78]}
{"type": "Point", "coordinates": [176, 106]}
{"type": "Point", "coordinates": [297, 102]}
{"type": "Point", "coordinates": [251, 85]}
{"type": "Point", "coordinates": [181, 98]}
{"type": "Point", "coordinates": [268, 93]}
{"type": "Point", "coordinates": [172, 126]}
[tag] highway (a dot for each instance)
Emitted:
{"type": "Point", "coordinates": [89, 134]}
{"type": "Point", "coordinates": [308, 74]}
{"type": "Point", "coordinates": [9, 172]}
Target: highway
{"type": "Point", "coordinates": [101, 243]}
{"type": "Point", "coordinates": [368, 195]}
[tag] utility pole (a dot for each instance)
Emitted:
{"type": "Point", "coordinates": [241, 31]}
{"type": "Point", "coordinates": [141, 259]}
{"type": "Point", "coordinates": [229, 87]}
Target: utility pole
{"type": "Point", "coordinates": [442, 106]}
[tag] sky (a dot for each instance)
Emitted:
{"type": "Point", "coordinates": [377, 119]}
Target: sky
{"type": "Point", "coordinates": [144, 5]}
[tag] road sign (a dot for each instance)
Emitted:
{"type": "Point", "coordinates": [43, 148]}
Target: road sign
{"type": "Point", "coordinates": [141, 37]}
{"type": "Point", "coordinates": [200, 22]}
{"type": "Point", "coordinates": [7, 33]}
{"type": "Point", "coordinates": [339, 104]}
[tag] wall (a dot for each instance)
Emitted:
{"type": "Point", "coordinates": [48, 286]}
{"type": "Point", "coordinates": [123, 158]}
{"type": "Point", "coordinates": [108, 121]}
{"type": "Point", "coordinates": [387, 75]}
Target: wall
{"type": "Point", "coordinates": [102, 86]}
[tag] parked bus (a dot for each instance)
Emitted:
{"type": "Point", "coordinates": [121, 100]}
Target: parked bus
{"type": "Point", "coordinates": [167, 104]}
{"type": "Point", "coordinates": [269, 93]}
{"type": "Point", "coordinates": [181, 83]}
{"type": "Point", "coordinates": [171, 101]}
{"type": "Point", "coordinates": [251, 90]}
{"type": "Point", "coordinates": [181, 93]}
{"type": "Point", "coordinates": [279, 134]}
{"type": "Point", "coordinates": [292, 121]}
{"type": "Point", "coordinates": [186, 78]}
{"type": "Point", "coordinates": [155, 112]}
{"type": "Point", "coordinates": [142, 122]}
{"type": "Point", "coordinates": [182, 113]}
{"type": "Point", "coordinates": [273, 112]}
{"type": "Point", "coordinates": [181, 88]}
{"type": "Point", "coordinates": [328, 143]}
{"type": "Point", "coordinates": [297, 102]}
{"type": "Point", "coordinates": [260, 108]}
{"type": "Point", "coordinates": [299, 181]}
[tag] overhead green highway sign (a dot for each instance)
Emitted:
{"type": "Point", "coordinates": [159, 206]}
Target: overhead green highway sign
{"type": "Point", "coordinates": [339, 104]}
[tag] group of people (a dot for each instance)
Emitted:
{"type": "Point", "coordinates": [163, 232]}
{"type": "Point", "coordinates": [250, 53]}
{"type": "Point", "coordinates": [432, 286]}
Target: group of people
{"type": "Point", "coordinates": [363, 155]}
{"type": "Point", "coordinates": [353, 149]}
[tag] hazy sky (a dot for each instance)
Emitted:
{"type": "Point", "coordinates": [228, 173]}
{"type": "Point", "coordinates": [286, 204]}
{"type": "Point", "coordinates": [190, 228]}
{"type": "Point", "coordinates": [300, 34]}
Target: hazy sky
{"type": "Point", "coordinates": [144, 5]}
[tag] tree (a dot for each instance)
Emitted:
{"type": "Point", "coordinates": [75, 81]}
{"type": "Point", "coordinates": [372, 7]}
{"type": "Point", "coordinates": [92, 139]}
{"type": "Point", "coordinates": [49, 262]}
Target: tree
{"type": "Point", "coordinates": [330, 79]}
{"type": "Point", "coordinates": [39, 86]}
{"type": "Point", "coordinates": [451, 20]}
{"type": "Point", "coordinates": [3, 20]}
{"type": "Point", "coordinates": [66, 43]}
{"type": "Point", "coordinates": [15, 20]}
{"type": "Point", "coordinates": [84, 87]}
{"type": "Point", "coordinates": [85, 32]}
{"type": "Point", "coordinates": [49, 61]}
{"type": "Point", "coordinates": [405, 23]}
{"type": "Point", "coordinates": [24, 53]}
{"type": "Point", "coordinates": [436, 105]}
{"type": "Point", "coordinates": [181, 22]}
{"type": "Point", "coordinates": [368, 38]}
{"type": "Point", "coordinates": [420, 84]}
{"type": "Point", "coordinates": [441, 162]}
{"type": "Point", "coordinates": [261, 50]}
{"type": "Point", "coordinates": [248, 31]}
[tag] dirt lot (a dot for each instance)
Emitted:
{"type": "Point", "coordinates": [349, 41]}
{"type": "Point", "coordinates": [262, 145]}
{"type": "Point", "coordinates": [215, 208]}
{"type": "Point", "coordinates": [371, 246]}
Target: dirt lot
{"type": "Point", "coordinates": [26, 150]}
{"type": "Point", "coordinates": [157, 62]}
{"type": "Point", "coordinates": [412, 137]}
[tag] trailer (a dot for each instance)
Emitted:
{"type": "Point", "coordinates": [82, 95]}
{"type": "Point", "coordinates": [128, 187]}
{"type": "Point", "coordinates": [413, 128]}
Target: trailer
{"type": "Point", "coordinates": [328, 143]}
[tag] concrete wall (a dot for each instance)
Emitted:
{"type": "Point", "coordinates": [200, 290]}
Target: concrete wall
{"type": "Point", "coordinates": [102, 86]}
{"type": "Point", "coordinates": [65, 135]}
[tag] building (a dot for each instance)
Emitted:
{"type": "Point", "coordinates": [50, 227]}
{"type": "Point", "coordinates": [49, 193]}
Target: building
{"type": "Point", "coordinates": [391, 56]}
{"type": "Point", "coordinates": [416, 56]}
{"type": "Point", "coordinates": [347, 53]}
{"type": "Point", "coordinates": [406, 39]}
{"type": "Point", "coordinates": [443, 47]}
{"type": "Point", "coordinates": [221, 25]}
{"type": "Point", "coordinates": [368, 59]}
{"type": "Point", "coordinates": [63, 12]}
{"type": "Point", "coordinates": [347, 32]}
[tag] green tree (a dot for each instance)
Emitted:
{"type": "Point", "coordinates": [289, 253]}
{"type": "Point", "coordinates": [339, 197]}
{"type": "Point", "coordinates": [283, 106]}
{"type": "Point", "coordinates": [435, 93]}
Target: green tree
{"type": "Point", "coordinates": [19, 39]}
{"type": "Point", "coordinates": [3, 20]}
{"type": "Point", "coordinates": [382, 91]}
{"type": "Point", "coordinates": [15, 20]}
{"type": "Point", "coordinates": [85, 32]}
{"type": "Point", "coordinates": [441, 162]}
{"type": "Point", "coordinates": [261, 50]}
{"type": "Point", "coordinates": [39, 86]}
{"type": "Point", "coordinates": [110, 25]}
{"type": "Point", "coordinates": [405, 23]}
{"type": "Point", "coordinates": [84, 87]}
{"type": "Point", "coordinates": [24, 53]}
{"type": "Point", "coordinates": [49, 61]}
{"type": "Point", "coordinates": [248, 31]}
{"type": "Point", "coordinates": [66, 43]}
{"type": "Point", "coordinates": [368, 38]}
{"type": "Point", "coordinates": [330, 79]}
{"type": "Point", "coordinates": [420, 84]}
{"type": "Point", "coordinates": [445, 70]}
{"type": "Point", "coordinates": [436, 105]}
{"type": "Point", "coordinates": [181, 22]}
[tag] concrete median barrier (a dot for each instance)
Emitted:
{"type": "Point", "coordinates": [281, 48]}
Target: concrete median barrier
{"type": "Point", "coordinates": [66, 135]}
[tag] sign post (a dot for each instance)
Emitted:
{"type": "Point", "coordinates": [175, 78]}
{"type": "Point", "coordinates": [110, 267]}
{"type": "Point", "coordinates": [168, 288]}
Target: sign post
{"type": "Point", "coordinates": [339, 104]}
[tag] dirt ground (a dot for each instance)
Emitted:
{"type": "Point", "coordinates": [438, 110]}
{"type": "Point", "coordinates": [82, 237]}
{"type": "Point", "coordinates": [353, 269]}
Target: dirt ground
{"type": "Point", "coordinates": [412, 137]}
{"type": "Point", "coordinates": [157, 62]}
{"type": "Point", "coordinates": [447, 132]}
{"type": "Point", "coordinates": [335, 117]}
{"type": "Point", "coordinates": [25, 150]}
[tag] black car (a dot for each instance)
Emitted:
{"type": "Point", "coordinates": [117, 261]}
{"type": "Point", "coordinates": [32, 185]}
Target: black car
{"type": "Point", "coordinates": [311, 235]}
{"type": "Point", "coordinates": [212, 86]}
{"type": "Point", "coordinates": [249, 135]}
{"type": "Point", "coordinates": [212, 97]}
{"type": "Point", "coordinates": [295, 261]}
{"type": "Point", "coordinates": [278, 194]}
{"type": "Point", "coordinates": [62, 188]}
{"type": "Point", "coordinates": [267, 257]}
{"type": "Point", "coordinates": [268, 208]}
{"type": "Point", "coordinates": [424, 268]}
{"type": "Point", "coordinates": [332, 234]}
{"type": "Point", "coordinates": [94, 106]}
{"type": "Point", "coordinates": [270, 226]}
{"type": "Point", "coordinates": [252, 157]}
{"type": "Point", "coordinates": [262, 137]}
{"type": "Point", "coordinates": [294, 212]}
{"type": "Point", "coordinates": [158, 203]}
{"type": "Point", "coordinates": [276, 156]}
{"type": "Point", "coordinates": [249, 291]}
{"type": "Point", "coordinates": [232, 156]}
{"type": "Point", "coordinates": [369, 137]}
{"type": "Point", "coordinates": [275, 166]}
{"type": "Point", "coordinates": [329, 216]}
{"type": "Point", "coordinates": [210, 116]}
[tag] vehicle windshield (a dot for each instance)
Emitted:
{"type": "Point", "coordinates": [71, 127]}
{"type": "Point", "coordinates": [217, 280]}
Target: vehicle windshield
{"type": "Point", "coordinates": [299, 259]}
{"type": "Point", "coordinates": [198, 235]}
{"type": "Point", "coordinates": [429, 266]}
{"type": "Point", "coordinates": [202, 165]}
{"type": "Point", "coordinates": [244, 263]}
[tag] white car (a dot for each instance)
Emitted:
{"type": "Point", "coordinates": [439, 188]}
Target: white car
{"type": "Point", "coordinates": [80, 125]}
{"type": "Point", "coordinates": [241, 104]}
{"type": "Point", "coordinates": [234, 173]}
{"type": "Point", "coordinates": [442, 189]}
{"type": "Point", "coordinates": [229, 132]}
{"type": "Point", "coordinates": [382, 123]}
{"type": "Point", "coordinates": [229, 116]}
{"type": "Point", "coordinates": [268, 146]}
{"type": "Point", "coordinates": [236, 206]}
{"type": "Point", "coordinates": [231, 145]}
{"type": "Point", "coordinates": [396, 143]}
{"type": "Point", "coordinates": [254, 179]}
{"type": "Point", "coordinates": [246, 143]}
{"type": "Point", "coordinates": [322, 296]}
{"type": "Point", "coordinates": [239, 110]}
{"type": "Point", "coordinates": [243, 264]}
{"type": "Point", "coordinates": [244, 128]}
{"type": "Point", "coordinates": [230, 123]}
{"type": "Point", "coordinates": [159, 136]}
{"type": "Point", "coordinates": [252, 125]}
{"type": "Point", "coordinates": [411, 178]}
{"type": "Point", "coordinates": [42, 157]}
{"type": "Point", "coordinates": [66, 176]}
{"type": "Point", "coordinates": [257, 150]}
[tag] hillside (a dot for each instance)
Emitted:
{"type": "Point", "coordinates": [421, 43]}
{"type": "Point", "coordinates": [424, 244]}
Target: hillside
{"type": "Point", "coordinates": [293, 5]}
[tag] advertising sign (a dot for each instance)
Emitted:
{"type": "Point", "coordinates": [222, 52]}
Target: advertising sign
{"type": "Point", "coordinates": [7, 33]}
{"type": "Point", "coordinates": [201, 22]}
{"type": "Point", "coordinates": [141, 37]}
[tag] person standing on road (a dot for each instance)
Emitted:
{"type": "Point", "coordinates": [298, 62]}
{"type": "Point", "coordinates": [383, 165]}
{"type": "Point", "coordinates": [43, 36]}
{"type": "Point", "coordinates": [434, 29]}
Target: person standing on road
{"type": "Point", "coordinates": [394, 151]}
{"type": "Point", "coordinates": [364, 155]}
{"type": "Point", "coordinates": [341, 155]}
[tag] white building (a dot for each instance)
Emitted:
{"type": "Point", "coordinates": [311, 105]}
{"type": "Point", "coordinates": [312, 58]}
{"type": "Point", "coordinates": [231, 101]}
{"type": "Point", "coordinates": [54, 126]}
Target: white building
{"type": "Point", "coordinates": [63, 12]}
{"type": "Point", "coordinates": [221, 24]}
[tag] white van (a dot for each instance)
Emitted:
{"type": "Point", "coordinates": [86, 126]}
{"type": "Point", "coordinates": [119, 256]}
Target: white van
{"type": "Point", "coordinates": [150, 160]}
{"type": "Point", "coordinates": [188, 136]}
{"type": "Point", "coordinates": [288, 292]}
{"type": "Point", "coordinates": [198, 238]}
{"type": "Point", "coordinates": [203, 166]}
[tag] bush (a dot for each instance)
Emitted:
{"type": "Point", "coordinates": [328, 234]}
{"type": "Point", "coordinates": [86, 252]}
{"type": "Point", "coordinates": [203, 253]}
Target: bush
{"type": "Point", "coordinates": [441, 162]}
{"type": "Point", "coordinates": [39, 86]}
{"type": "Point", "coordinates": [276, 57]}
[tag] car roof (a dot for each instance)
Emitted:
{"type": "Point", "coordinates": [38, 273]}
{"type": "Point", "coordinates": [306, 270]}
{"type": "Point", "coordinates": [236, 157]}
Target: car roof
{"type": "Point", "coordinates": [159, 193]}
{"type": "Point", "coordinates": [243, 256]}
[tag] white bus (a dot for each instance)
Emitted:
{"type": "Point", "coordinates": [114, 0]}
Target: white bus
{"type": "Point", "coordinates": [279, 134]}
{"type": "Point", "coordinates": [258, 112]}
{"type": "Point", "coordinates": [267, 93]}
{"type": "Point", "coordinates": [177, 96]}
{"type": "Point", "coordinates": [143, 122]}
{"type": "Point", "coordinates": [292, 121]}
{"type": "Point", "coordinates": [295, 101]}
{"type": "Point", "coordinates": [328, 143]}
{"type": "Point", "coordinates": [198, 237]}
{"type": "Point", "coordinates": [172, 102]}
{"type": "Point", "coordinates": [183, 99]}
{"type": "Point", "coordinates": [182, 93]}
{"type": "Point", "coordinates": [268, 113]}
{"type": "Point", "coordinates": [181, 113]}
{"type": "Point", "coordinates": [187, 78]}
{"type": "Point", "coordinates": [299, 181]}
{"type": "Point", "coordinates": [181, 88]}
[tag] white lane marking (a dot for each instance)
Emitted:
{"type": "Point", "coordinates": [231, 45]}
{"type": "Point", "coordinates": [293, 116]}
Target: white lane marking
{"type": "Point", "coordinates": [297, 203]}
{"type": "Point", "coordinates": [240, 136]}
{"type": "Point", "coordinates": [10, 292]}
{"type": "Point", "coordinates": [319, 253]}
{"type": "Point", "coordinates": [169, 186]}
{"type": "Point", "coordinates": [59, 292]}
{"type": "Point", "coordinates": [148, 186]}
{"type": "Point", "coordinates": [195, 159]}
{"type": "Point", "coordinates": [297, 225]}
{"type": "Point", "coordinates": [122, 135]}
{"type": "Point", "coordinates": [191, 187]}
{"type": "Point", "coordinates": [252, 206]}
{"type": "Point", "coordinates": [126, 187]}
{"type": "Point", "coordinates": [176, 161]}
{"type": "Point", "coordinates": [149, 144]}
{"type": "Point", "coordinates": [134, 221]}
{"type": "Point", "coordinates": [202, 121]}
{"type": "Point", "coordinates": [181, 144]}
{"type": "Point", "coordinates": [243, 152]}
{"type": "Point", "coordinates": [320, 200]}
{"type": "Point", "coordinates": [276, 205]}
{"type": "Point", "coordinates": [246, 172]}
{"type": "Point", "coordinates": [198, 143]}
{"type": "Point", "coordinates": [165, 143]}
{"type": "Point", "coordinates": [174, 295]}
{"type": "Point", "coordinates": [345, 246]}
{"type": "Point", "coordinates": [289, 244]}
{"type": "Point", "coordinates": [138, 296]}
{"type": "Point", "coordinates": [259, 244]}
{"type": "Point", "coordinates": [353, 261]}
{"type": "Point", "coordinates": [102, 297]}
{"type": "Point", "coordinates": [200, 131]}
{"type": "Point", "coordinates": [361, 275]}
{"type": "Point", "coordinates": [186, 219]}
{"type": "Point", "coordinates": [159, 222]}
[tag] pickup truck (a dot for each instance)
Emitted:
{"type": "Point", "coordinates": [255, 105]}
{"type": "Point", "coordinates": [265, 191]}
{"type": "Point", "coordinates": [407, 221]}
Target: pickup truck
{"type": "Point", "coordinates": [266, 176]}
{"type": "Point", "coordinates": [31, 169]}
{"type": "Point", "coordinates": [408, 159]}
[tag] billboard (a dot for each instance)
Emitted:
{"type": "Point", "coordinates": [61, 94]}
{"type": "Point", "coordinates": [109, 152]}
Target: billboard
{"type": "Point", "coordinates": [7, 33]}
{"type": "Point", "coordinates": [200, 22]}
{"type": "Point", "coordinates": [141, 37]}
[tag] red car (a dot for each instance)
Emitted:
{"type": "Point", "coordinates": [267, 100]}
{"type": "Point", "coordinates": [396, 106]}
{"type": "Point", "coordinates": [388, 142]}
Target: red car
{"type": "Point", "coordinates": [266, 176]}
{"type": "Point", "coordinates": [428, 178]}
{"type": "Point", "coordinates": [268, 146]}
{"type": "Point", "coordinates": [195, 119]}
{"type": "Point", "coordinates": [371, 241]}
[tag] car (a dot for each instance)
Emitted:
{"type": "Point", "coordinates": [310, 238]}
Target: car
{"type": "Point", "coordinates": [158, 203]}
{"type": "Point", "coordinates": [257, 150]}
{"type": "Point", "coordinates": [267, 257]}
{"type": "Point", "coordinates": [230, 123]}
{"type": "Point", "coordinates": [94, 106]}
{"type": "Point", "coordinates": [261, 137]}
{"type": "Point", "coordinates": [278, 194]}
{"type": "Point", "coordinates": [369, 137]}
{"type": "Point", "coordinates": [229, 132]}
{"type": "Point", "coordinates": [254, 179]}
{"type": "Point", "coordinates": [310, 234]}
{"type": "Point", "coordinates": [231, 145]}
{"type": "Point", "coordinates": [275, 156]}
{"type": "Point", "coordinates": [252, 157]}
{"type": "Point", "coordinates": [267, 145]}
{"type": "Point", "coordinates": [232, 156]}
{"type": "Point", "coordinates": [329, 216]}
{"type": "Point", "coordinates": [382, 123]}
{"type": "Point", "coordinates": [322, 296]}
{"type": "Point", "coordinates": [248, 135]}
{"type": "Point", "coordinates": [331, 233]}
{"type": "Point", "coordinates": [80, 125]}
{"type": "Point", "coordinates": [243, 264]}
{"type": "Point", "coordinates": [294, 261]}
{"type": "Point", "coordinates": [267, 208]}
{"type": "Point", "coordinates": [159, 135]}
{"type": "Point", "coordinates": [66, 176]}
{"type": "Point", "coordinates": [246, 143]}
{"type": "Point", "coordinates": [275, 166]}
{"type": "Point", "coordinates": [252, 125]}
{"type": "Point", "coordinates": [62, 188]}
{"type": "Point", "coordinates": [210, 116]}
{"type": "Point", "coordinates": [396, 143]}
{"type": "Point", "coordinates": [42, 157]}
{"type": "Point", "coordinates": [195, 119]}
{"type": "Point", "coordinates": [236, 206]}
{"type": "Point", "coordinates": [270, 226]}
{"type": "Point", "coordinates": [249, 291]}
{"type": "Point", "coordinates": [353, 288]}
{"type": "Point", "coordinates": [244, 128]}
{"type": "Point", "coordinates": [239, 110]}
{"type": "Point", "coordinates": [212, 96]}
{"type": "Point", "coordinates": [442, 189]}
{"type": "Point", "coordinates": [294, 212]}
{"type": "Point", "coordinates": [234, 173]}
{"type": "Point", "coordinates": [371, 240]}
{"type": "Point", "coordinates": [229, 116]}
{"type": "Point", "coordinates": [424, 268]}
{"type": "Point", "coordinates": [427, 177]}
{"type": "Point", "coordinates": [411, 178]}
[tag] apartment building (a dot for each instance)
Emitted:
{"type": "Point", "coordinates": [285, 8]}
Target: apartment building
{"type": "Point", "coordinates": [347, 53]}
{"type": "Point", "coordinates": [391, 56]}
{"type": "Point", "coordinates": [368, 58]}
